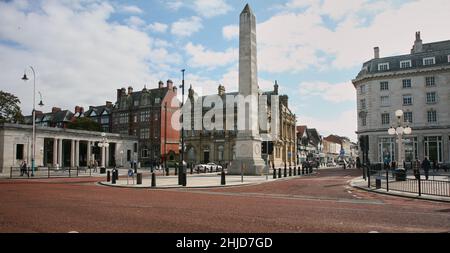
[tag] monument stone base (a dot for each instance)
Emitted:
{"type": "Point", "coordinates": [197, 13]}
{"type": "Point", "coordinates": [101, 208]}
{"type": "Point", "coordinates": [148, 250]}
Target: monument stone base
{"type": "Point", "coordinates": [248, 159]}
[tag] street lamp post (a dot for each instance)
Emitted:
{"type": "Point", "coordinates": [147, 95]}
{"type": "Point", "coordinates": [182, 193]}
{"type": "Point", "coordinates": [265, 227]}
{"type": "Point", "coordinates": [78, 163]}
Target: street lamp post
{"type": "Point", "coordinates": [181, 177]}
{"type": "Point", "coordinates": [400, 130]}
{"type": "Point", "coordinates": [103, 145]}
{"type": "Point", "coordinates": [33, 141]}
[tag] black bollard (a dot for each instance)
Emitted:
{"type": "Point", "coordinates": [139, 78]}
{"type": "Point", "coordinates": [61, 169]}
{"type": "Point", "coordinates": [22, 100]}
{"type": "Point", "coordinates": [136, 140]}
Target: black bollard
{"type": "Point", "coordinates": [176, 170]}
{"type": "Point", "coordinates": [153, 180]}
{"type": "Point", "coordinates": [167, 171]}
{"type": "Point", "coordinates": [290, 171]}
{"type": "Point", "coordinates": [192, 170]}
{"type": "Point", "coordinates": [279, 173]}
{"type": "Point", "coordinates": [222, 178]}
{"type": "Point", "coordinates": [274, 174]}
{"type": "Point", "coordinates": [295, 171]}
{"type": "Point", "coordinates": [303, 170]}
{"type": "Point", "coordinates": [285, 172]}
{"type": "Point", "coordinates": [117, 174]}
{"type": "Point", "coordinates": [108, 176]}
{"type": "Point", "coordinates": [113, 177]}
{"type": "Point", "coordinates": [184, 178]}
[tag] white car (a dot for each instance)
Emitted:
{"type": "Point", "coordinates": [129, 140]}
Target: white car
{"type": "Point", "coordinates": [209, 167]}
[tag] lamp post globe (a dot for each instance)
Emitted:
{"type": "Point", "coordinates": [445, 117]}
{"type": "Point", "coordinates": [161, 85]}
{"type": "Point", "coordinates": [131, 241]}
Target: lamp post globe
{"type": "Point", "coordinates": [399, 113]}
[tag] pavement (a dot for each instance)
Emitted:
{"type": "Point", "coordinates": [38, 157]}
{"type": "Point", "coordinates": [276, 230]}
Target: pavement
{"type": "Point", "coordinates": [362, 184]}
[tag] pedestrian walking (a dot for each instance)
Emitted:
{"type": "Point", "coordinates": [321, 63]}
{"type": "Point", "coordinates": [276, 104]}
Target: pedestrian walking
{"type": "Point", "coordinates": [416, 168]}
{"type": "Point", "coordinates": [426, 167]}
{"type": "Point", "coordinates": [95, 166]}
{"type": "Point", "coordinates": [23, 168]}
{"type": "Point", "coordinates": [435, 166]}
{"type": "Point", "coordinates": [358, 163]}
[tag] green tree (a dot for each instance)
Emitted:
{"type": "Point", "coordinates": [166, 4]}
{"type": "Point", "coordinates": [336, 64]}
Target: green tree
{"type": "Point", "coordinates": [85, 124]}
{"type": "Point", "coordinates": [9, 108]}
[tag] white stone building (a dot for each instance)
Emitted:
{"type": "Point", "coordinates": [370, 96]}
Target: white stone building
{"type": "Point", "coordinates": [74, 148]}
{"type": "Point", "coordinates": [417, 83]}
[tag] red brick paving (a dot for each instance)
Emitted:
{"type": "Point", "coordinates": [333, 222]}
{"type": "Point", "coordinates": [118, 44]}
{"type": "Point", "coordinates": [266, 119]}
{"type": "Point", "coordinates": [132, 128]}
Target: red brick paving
{"type": "Point", "coordinates": [320, 203]}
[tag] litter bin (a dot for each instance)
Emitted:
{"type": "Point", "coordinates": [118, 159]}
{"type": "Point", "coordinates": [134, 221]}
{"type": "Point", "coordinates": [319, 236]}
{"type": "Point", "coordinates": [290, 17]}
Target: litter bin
{"type": "Point", "coordinates": [400, 174]}
{"type": "Point", "coordinates": [378, 182]}
{"type": "Point", "coordinates": [139, 178]}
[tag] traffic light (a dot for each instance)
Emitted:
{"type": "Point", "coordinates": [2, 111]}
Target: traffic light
{"type": "Point", "coordinates": [264, 147]}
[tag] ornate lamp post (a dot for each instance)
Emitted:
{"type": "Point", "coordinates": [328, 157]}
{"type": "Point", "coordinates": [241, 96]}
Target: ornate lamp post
{"type": "Point", "coordinates": [103, 145]}
{"type": "Point", "coordinates": [400, 130]}
{"type": "Point", "coordinates": [33, 141]}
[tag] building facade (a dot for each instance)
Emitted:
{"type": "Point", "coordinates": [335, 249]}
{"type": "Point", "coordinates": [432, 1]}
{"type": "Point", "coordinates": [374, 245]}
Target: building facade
{"type": "Point", "coordinates": [58, 147]}
{"type": "Point", "coordinates": [101, 114]}
{"type": "Point", "coordinates": [219, 146]}
{"type": "Point", "coordinates": [417, 83]}
{"type": "Point", "coordinates": [147, 114]}
{"type": "Point", "coordinates": [309, 145]}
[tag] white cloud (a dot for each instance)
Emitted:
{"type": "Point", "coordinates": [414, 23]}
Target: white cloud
{"type": "Point", "coordinates": [135, 22]}
{"type": "Point", "coordinates": [131, 9]}
{"type": "Point", "coordinates": [186, 27]}
{"type": "Point", "coordinates": [211, 8]}
{"type": "Point", "coordinates": [230, 32]}
{"type": "Point", "coordinates": [203, 8]}
{"type": "Point", "coordinates": [174, 5]}
{"type": "Point", "coordinates": [342, 124]}
{"type": "Point", "coordinates": [201, 57]}
{"type": "Point", "coordinates": [157, 27]}
{"type": "Point", "coordinates": [297, 37]}
{"type": "Point", "coordinates": [335, 93]}
{"type": "Point", "coordinates": [79, 57]}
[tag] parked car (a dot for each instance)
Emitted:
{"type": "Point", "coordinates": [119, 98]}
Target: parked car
{"type": "Point", "coordinates": [209, 167]}
{"type": "Point", "coordinates": [331, 164]}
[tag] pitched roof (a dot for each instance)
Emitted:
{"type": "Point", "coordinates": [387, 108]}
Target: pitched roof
{"type": "Point", "coordinates": [301, 130]}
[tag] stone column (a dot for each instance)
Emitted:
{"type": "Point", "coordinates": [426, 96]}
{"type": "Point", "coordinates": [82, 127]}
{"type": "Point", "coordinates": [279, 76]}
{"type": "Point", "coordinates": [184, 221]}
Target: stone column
{"type": "Point", "coordinates": [106, 156]}
{"type": "Point", "coordinates": [55, 152]}
{"type": "Point", "coordinates": [72, 153]}
{"type": "Point", "coordinates": [89, 143]}
{"type": "Point", "coordinates": [60, 152]}
{"type": "Point", "coordinates": [77, 153]}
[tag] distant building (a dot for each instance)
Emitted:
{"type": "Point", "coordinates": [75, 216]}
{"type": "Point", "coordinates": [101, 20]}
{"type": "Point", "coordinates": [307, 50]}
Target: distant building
{"type": "Point", "coordinates": [101, 114]}
{"type": "Point", "coordinates": [417, 83]}
{"type": "Point", "coordinates": [147, 115]}
{"type": "Point", "coordinates": [56, 118]}
{"type": "Point", "coordinates": [309, 144]}
{"type": "Point", "coordinates": [219, 146]}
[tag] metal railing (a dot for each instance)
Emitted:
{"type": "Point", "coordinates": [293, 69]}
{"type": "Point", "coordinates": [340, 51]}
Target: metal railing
{"type": "Point", "coordinates": [410, 182]}
{"type": "Point", "coordinates": [50, 172]}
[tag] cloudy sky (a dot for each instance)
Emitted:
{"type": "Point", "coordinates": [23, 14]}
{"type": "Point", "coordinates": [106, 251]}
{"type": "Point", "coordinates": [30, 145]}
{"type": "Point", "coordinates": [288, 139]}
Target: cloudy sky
{"type": "Point", "coordinates": [83, 50]}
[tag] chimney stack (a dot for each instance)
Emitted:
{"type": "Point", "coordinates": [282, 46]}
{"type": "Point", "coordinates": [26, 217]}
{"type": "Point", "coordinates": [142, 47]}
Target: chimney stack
{"type": "Point", "coordinates": [376, 51]}
{"type": "Point", "coordinates": [130, 90]}
{"type": "Point", "coordinates": [418, 46]}
{"type": "Point", "coordinates": [191, 92]}
{"type": "Point", "coordinates": [56, 109]}
{"type": "Point", "coordinates": [160, 84]}
{"type": "Point", "coordinates": [108, 104]}
{"type": "Point", "coordinates": [169, 84]}
{"type": "Point", "coordinates": [221, 90]}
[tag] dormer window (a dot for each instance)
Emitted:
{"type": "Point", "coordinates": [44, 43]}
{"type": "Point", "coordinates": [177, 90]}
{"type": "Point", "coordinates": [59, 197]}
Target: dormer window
{"type": "Point", "coordinates": [429, 61]}
{"type": "Point", "coordinates": [405, 64]}
{"type": "Point", "coordinates": [383, 66]}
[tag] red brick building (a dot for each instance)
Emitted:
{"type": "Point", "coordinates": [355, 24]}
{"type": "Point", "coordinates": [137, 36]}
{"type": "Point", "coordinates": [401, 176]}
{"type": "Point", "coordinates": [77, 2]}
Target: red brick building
{"type": "Point", "coordinates": [147, 114]}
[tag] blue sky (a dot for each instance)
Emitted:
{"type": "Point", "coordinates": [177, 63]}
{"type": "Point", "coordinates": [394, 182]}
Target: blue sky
{"type": "Point", "coordinates": [83, 50]}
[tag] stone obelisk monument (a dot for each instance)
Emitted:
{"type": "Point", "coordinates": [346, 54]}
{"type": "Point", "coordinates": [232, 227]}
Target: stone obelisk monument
{"type": "Point", "coordinates": [248, 142]}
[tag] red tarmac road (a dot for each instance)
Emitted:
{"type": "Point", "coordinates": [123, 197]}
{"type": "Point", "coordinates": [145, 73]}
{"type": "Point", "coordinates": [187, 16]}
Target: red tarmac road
{"type": "Point", "coordinates": [319, 203]}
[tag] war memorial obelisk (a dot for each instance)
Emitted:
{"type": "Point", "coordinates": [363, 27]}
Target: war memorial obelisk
{"type": "Point", "coordinates": [248, 142]}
